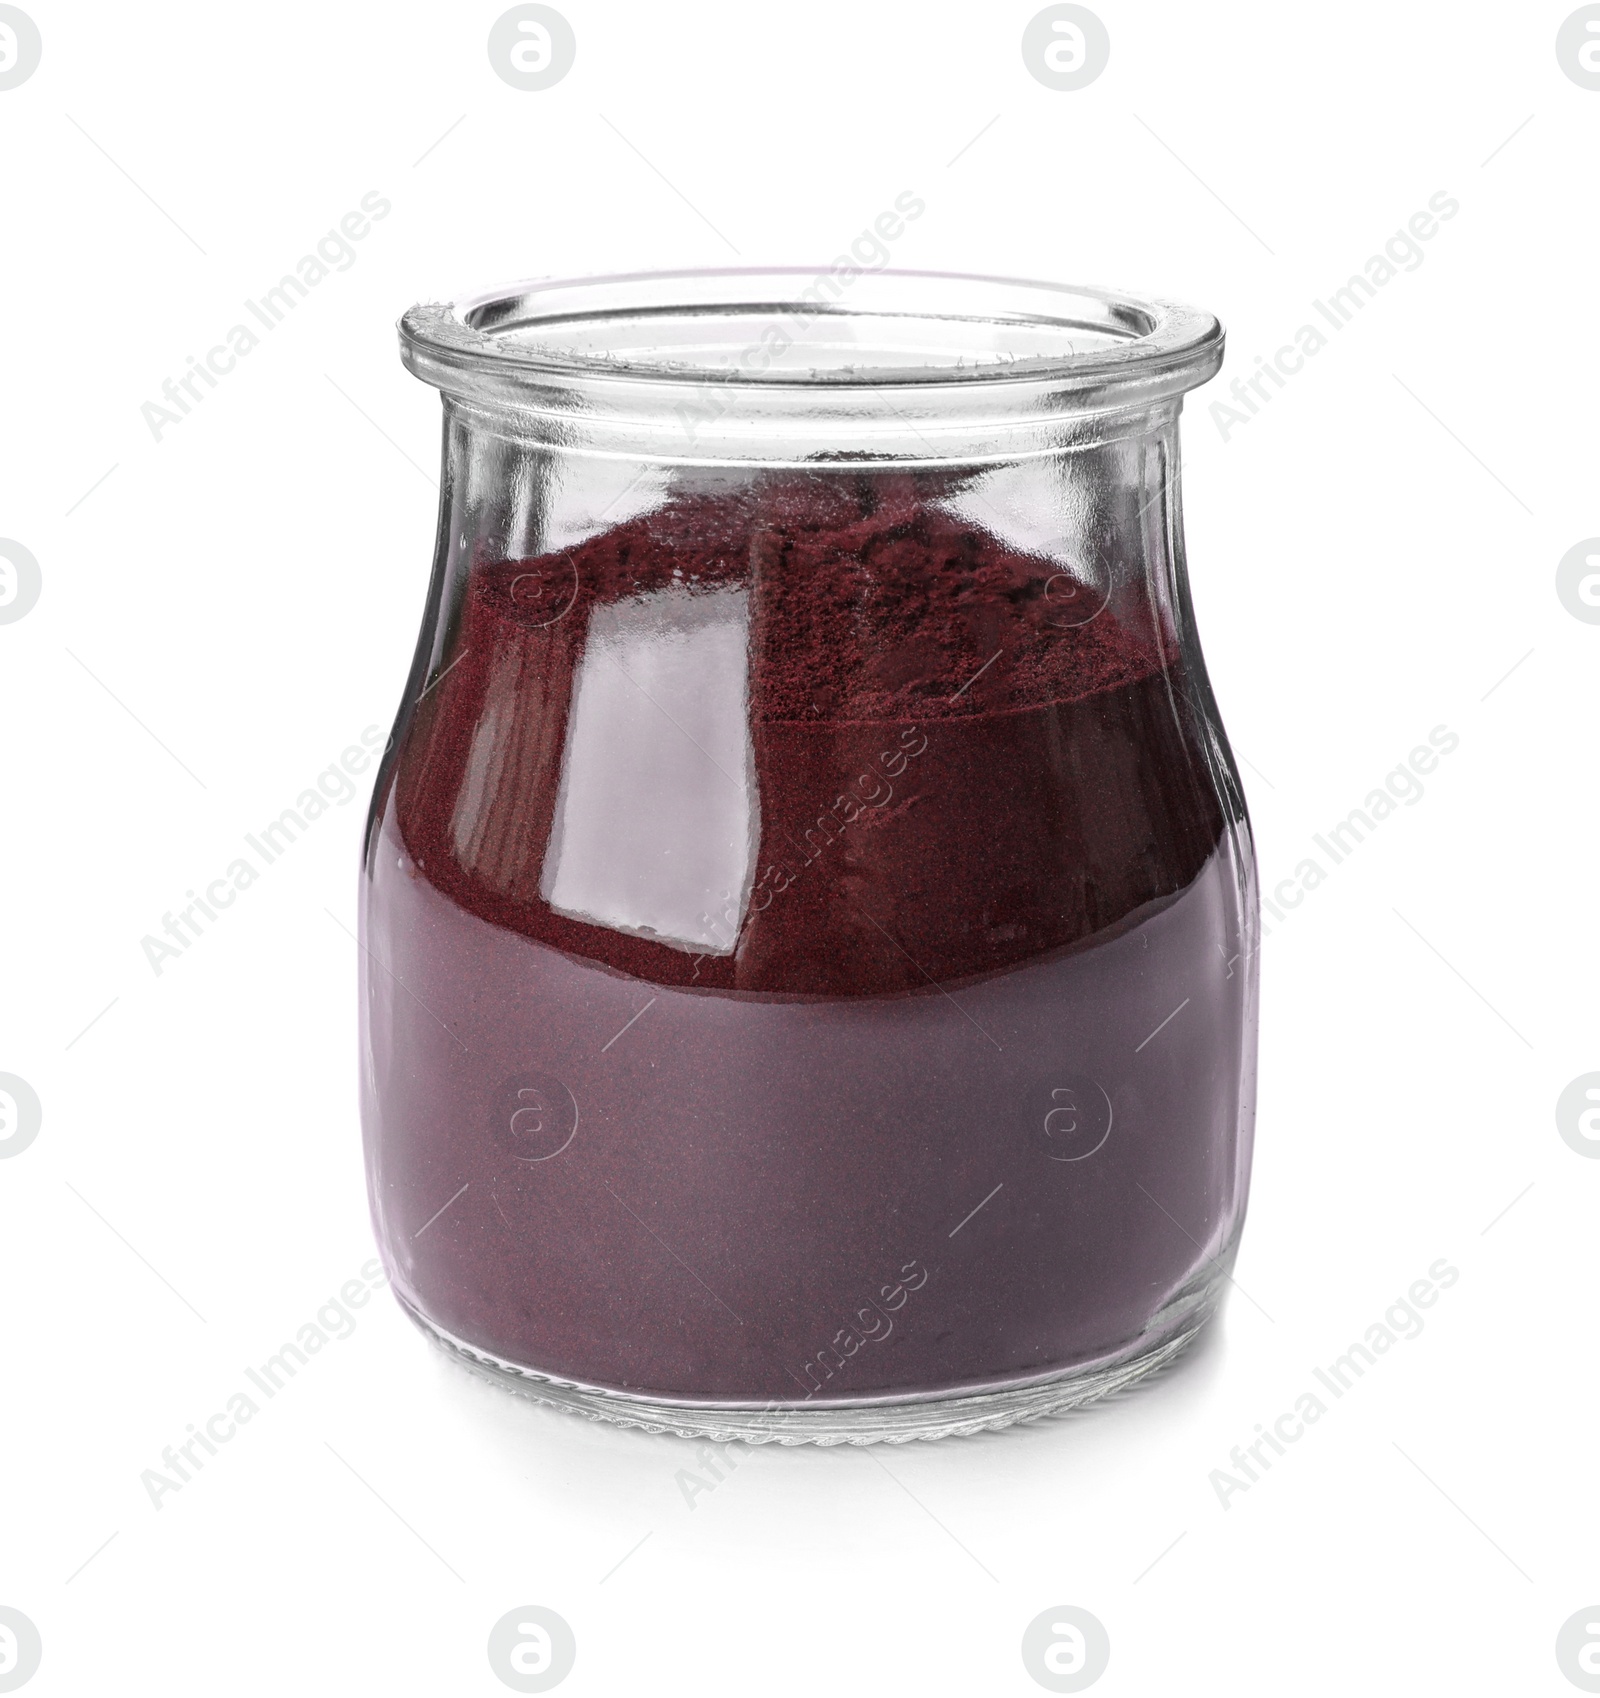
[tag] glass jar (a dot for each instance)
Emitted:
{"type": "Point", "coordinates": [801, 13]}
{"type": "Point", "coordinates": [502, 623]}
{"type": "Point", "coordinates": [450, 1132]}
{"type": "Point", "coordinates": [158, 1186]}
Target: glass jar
{"type": "Point", "coordinates": [808, 911]}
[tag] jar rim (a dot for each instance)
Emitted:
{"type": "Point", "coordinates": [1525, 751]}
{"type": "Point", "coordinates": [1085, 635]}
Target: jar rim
{"type": "Point", "coordinates": [794, 328]}
{"type": "Point", "coordinates": [728, 367]}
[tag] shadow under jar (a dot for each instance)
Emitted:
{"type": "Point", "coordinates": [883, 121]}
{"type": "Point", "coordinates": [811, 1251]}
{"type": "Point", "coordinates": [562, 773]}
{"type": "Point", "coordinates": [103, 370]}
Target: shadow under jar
{"type": "Point", "coordinates": [808, 909]}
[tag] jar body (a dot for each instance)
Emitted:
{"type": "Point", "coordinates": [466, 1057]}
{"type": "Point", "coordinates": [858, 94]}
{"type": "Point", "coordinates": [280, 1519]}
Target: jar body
{"type": "Point", "coordinates": [808, 924]}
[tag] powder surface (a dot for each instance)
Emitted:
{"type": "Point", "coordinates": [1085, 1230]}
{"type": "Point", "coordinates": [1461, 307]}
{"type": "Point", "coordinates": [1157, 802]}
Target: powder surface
{"type": "Point", "coordinates": [871, 602]}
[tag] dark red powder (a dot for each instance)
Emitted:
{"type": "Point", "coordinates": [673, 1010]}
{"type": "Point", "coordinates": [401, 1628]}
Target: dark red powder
{"type": "Point", "coordinates": [991, 860]}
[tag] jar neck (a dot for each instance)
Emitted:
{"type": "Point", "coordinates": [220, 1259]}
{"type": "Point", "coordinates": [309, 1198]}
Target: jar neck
{"type": "Point", "coordinates": [515, 488]}
{"type": "Point", "coordinates": [707, 426]}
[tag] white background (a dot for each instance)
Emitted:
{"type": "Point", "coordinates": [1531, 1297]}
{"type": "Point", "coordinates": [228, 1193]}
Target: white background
{"type": "Point", "coordinates": [230, 606]}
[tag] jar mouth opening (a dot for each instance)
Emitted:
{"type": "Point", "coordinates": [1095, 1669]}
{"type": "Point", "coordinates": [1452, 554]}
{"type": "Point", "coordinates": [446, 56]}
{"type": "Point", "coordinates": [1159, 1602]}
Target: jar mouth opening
{"type": "Point", "coordinates": [837, 329]}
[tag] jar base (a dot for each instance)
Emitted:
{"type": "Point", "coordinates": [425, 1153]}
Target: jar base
{"type": "Point", "coordinates": [892, 1419]}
